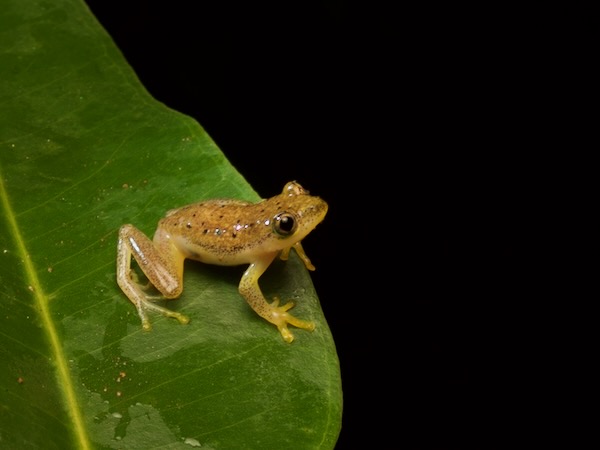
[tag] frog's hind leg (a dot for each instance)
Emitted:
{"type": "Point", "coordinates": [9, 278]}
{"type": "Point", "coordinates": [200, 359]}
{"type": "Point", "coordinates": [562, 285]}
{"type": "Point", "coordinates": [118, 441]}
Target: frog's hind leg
{"type": "Point", "coordinates": [161, 263]}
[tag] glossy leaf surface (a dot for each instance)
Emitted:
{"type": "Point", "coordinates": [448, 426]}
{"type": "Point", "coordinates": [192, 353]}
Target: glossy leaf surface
{"type": "Point", "coordinates": [84, 149]}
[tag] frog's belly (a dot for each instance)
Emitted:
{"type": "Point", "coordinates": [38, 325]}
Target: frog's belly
{"type": "Point", "coordinates": [210, 253]}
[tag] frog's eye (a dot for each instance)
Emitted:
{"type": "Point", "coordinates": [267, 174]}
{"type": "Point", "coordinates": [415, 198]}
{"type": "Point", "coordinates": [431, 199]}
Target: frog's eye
{"type": "Point", "coordinates": [285, 224]}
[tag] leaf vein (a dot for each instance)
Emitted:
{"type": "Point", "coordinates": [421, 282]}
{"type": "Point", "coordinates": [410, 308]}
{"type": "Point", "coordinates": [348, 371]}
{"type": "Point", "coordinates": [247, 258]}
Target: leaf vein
{"type": "Point", "coordinates": [41, 300]}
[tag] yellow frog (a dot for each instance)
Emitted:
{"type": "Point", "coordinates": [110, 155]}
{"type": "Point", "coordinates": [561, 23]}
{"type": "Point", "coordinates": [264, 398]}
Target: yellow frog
{"type": "Point", "coordinates": [224, 232]}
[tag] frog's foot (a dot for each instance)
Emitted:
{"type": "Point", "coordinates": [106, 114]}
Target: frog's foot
{"type": "Point", "coordinates": [281, 318]}
{"type": "Point", "coordinates": [145, 305]}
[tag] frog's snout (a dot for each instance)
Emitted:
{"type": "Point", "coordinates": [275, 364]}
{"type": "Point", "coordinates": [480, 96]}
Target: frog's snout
{"type": "Point", "coordinates": [325, 207]}
{"type": "Point", "coordinates": [320, 209]}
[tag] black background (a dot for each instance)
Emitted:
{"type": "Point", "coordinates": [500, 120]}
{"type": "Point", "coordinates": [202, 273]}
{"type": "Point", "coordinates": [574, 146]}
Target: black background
{"type": "Point", "coordinates": [406, 122]}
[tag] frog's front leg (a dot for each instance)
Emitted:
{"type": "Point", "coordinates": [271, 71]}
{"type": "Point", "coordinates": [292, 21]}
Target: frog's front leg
{"type": "Point", "coordinates": [272, 312]}
{"type": "Point", "coordinates": [285, 253]}
{"type": "Point", "coordinates": [161, 262]}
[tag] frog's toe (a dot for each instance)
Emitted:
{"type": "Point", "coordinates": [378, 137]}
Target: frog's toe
{"type": "Point", "coordinates": [283, 308]}
{"type": "Point", "coordinates": [298, 323]}
{"type": "Point", "coordinates": [183, 319]}
{"type": "Point", "coordinates": [286, 334]}
{"type": "Point", "coordinates": [143, 317]}
{"type": "Point", "coordinates": [147, 305]}
{"type": "Point", "coordinates": [146, 325]}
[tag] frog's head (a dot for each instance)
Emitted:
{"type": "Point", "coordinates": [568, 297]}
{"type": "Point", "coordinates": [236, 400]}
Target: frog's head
{"type": "Point", "coordinates": [297, 214]}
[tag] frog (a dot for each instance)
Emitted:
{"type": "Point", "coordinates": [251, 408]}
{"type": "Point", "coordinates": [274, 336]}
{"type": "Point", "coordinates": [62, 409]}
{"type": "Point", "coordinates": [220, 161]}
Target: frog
{"type": "Point", "coordinates": [225, 232]}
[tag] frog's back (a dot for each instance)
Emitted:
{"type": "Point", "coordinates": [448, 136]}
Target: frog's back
{"type": "Point", "coordinates": [231, 232]}
{"type": "Point", "coordinates": [226, 232]}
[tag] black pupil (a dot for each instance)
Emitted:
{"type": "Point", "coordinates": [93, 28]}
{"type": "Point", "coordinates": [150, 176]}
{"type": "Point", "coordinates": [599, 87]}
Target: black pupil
{"type": "Point", "coordinates": [286, 223]}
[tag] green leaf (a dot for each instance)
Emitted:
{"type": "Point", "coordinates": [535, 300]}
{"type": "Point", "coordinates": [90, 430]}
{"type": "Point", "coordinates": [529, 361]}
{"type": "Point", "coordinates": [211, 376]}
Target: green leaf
{"type": "Point", "coordinates": [83, 150]}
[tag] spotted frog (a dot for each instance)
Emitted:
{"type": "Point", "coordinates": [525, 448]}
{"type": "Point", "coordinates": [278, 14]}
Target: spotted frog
{"type": "Point", "coordinates": [225, 232]}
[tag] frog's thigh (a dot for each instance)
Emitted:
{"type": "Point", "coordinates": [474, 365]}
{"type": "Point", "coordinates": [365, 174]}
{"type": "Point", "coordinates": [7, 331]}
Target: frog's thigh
{"type": "Point", "coordinates": [160, 260]}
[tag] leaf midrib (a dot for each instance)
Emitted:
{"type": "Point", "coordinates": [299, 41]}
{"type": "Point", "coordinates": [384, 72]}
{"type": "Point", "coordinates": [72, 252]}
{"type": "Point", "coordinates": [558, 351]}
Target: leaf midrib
{"type": "Point", "coordinates": [63, 376]}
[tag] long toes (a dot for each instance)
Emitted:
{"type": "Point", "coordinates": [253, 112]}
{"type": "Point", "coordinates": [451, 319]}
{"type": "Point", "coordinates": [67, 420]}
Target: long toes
{"type": "Point", "coordinates": [286, 334]}
{"type": "Point", "coordinates": [287, 306]}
